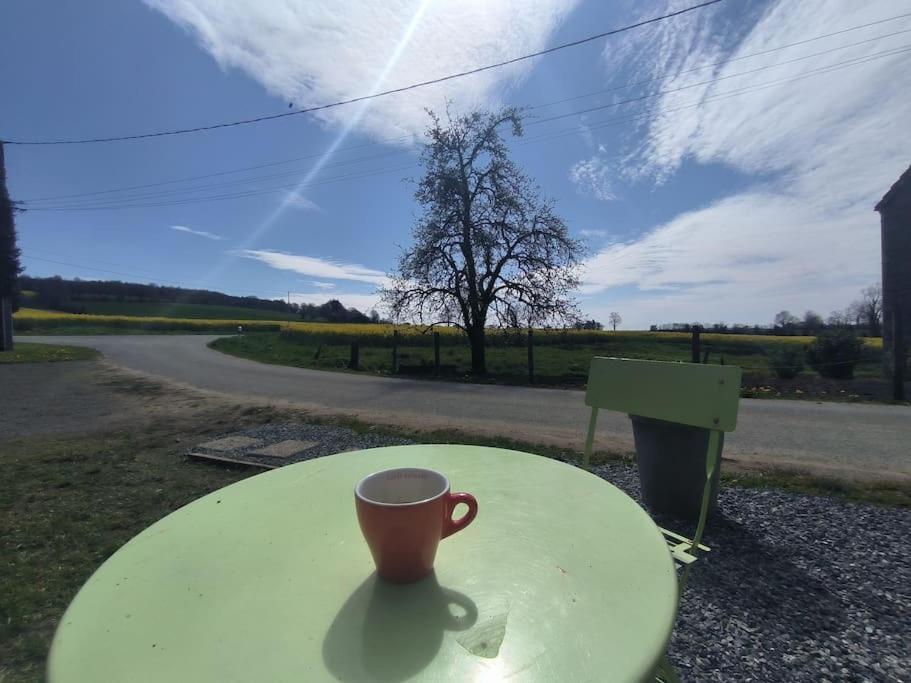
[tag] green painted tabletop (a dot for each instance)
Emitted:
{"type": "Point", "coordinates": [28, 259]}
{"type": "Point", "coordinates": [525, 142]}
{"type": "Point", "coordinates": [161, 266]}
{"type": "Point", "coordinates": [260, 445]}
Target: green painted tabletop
{"type": "Point", "coordinates": [561, 577]}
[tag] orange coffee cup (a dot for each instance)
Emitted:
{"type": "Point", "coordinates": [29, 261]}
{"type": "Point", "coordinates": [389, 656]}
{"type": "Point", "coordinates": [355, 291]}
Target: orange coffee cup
{"type": "Point", "coordinates": [404, 513]}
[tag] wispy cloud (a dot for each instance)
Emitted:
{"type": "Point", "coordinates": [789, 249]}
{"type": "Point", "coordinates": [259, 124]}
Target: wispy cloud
{"type": "Point", "coordinates": [822, 148]}
{"type": "Point", "coordinates": [200, 233]}
{"type": "Point", "coordinates": [298, 201]}
{"type": "Point", "coordinates": [316, 267]}
{"type": "Point", "coordinates": [317, 51]}
{"type": "Point", "coordinates": [593, 176]}
{"type": "Point", "coordinates": [587, 232]}
{"type": "Point", "coordinates": [322, 285]}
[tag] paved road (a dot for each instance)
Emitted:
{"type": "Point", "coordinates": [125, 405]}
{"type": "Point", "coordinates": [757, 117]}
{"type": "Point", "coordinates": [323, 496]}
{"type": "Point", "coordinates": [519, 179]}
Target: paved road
{"type": "Point", "coordinates": [859, 440]}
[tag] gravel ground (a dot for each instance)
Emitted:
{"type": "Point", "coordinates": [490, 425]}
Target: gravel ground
{"type": "Point", "coordinates": [796, 588]}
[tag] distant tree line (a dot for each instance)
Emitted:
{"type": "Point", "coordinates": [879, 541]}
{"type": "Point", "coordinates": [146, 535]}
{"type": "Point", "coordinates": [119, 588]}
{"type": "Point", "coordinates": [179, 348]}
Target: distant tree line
{"type": "Point", "coordinates": [863, 316]}
{"type": "Point", "coordinates": [587, 325]}
{"type": "Point", "coordinates": [334, 312]}
{"type": "Point", "coordinates": [70, 296]}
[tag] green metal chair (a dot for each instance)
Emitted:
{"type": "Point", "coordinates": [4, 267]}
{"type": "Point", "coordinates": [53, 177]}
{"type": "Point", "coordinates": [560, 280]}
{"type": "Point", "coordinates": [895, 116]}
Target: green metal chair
{"type": "Point", "coordinates": [686, 393]}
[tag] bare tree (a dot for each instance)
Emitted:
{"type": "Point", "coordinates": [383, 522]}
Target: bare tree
{"type": "Point", "coordinates": [837, 319]}
{"type": "Point", "coordinates": [812, 322]}
{"type": "Point", "coordinates": [786, 321]}
{"type": "Point", "coordinates": [871, 306]}
{"type": "Point", "coordinates": [615, 320]}
{"type": "Point", "coordinates": [854, 313]}
{"type": "Point", "coordinates": [487, 246]}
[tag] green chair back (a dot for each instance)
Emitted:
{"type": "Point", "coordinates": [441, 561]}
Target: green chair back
{"type": "Point", "coordinates": [686, 393]}
{"type": "Point", "coordinates": [691, 394]}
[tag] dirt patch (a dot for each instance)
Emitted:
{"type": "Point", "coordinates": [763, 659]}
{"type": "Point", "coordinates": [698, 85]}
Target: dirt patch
{"type": "Point", "coordinates": [83, 397]}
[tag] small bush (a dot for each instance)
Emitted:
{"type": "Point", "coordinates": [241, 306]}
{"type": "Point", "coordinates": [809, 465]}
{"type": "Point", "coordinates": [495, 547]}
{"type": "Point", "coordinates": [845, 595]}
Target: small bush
{"type": "Point", "coordinates": [787, 361]}
{"type": "Point", "coordinates": [834, 354]}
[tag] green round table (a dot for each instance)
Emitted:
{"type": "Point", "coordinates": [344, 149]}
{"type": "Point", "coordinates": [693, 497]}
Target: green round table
{"type": "Point", "coordinates": [561, 577]}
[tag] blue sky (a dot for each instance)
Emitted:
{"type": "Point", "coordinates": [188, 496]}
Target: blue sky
{"type": "Point", "coordinates": [741, 185]}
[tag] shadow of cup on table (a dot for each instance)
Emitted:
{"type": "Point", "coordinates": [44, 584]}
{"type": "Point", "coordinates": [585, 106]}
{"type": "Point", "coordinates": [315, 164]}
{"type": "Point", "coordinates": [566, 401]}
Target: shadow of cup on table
{"type": "Point", "coordinates": [390, 632]}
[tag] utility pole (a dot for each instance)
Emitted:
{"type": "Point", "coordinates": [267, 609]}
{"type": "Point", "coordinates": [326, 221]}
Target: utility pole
{"type": "Point", "coordinates": [9, 260]}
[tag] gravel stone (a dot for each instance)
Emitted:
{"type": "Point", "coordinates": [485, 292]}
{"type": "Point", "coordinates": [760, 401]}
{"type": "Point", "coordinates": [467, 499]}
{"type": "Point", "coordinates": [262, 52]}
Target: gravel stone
{"type": "Point", "coordinates": [795, 588]}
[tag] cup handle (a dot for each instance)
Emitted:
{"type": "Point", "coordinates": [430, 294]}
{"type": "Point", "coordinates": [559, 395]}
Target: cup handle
{"type": "Point", "coordinates": [450, 525]}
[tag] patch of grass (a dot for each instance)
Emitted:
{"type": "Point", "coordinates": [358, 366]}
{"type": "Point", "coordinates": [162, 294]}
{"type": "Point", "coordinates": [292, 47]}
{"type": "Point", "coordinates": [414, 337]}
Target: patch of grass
{"type": "Point", "coordinates": [46, 353]}
{"type": "Point", "coordinates": [66, 504]}
{"type": "Point", "coordinates": [855, 492]}
{"type": "Point", "coordinates": [560, 360]}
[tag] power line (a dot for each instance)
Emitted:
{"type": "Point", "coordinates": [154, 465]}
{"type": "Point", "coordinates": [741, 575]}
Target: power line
{"type": "Point", "coordinates": [77, 196]}
{"type": "Point", "coordinates": [547, 136]}
{"type": "Point", "coordinates": [724, 62]}
{"type": "Point", "coordinates": [724, 96]}
{"type": "Point", "coordinates": [250, 193]}
{"type": "Point", "coordinates": [362, 98]}
{"type": "Point", "coordinates": [205, 176]}
{"type": "Point", "coordinates": [710, 81]}
{"type": "Point", "coordinates": [183, 190]}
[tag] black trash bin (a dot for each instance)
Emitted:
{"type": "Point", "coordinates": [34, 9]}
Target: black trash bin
{"type": "Point", "coordinates": [671, 460]}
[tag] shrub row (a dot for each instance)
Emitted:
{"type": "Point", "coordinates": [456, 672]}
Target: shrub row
{"type": "Point", "coordinates": [832, 354]}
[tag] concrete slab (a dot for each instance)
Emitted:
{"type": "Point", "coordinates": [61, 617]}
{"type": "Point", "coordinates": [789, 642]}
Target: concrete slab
{"type": "Point", "coordinates": [231, 443]}
{"type": "Point", "coordinates": [284, 449]}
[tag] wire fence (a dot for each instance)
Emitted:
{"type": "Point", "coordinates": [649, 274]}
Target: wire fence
{"type": "Point", "coordinates": [557, 352]}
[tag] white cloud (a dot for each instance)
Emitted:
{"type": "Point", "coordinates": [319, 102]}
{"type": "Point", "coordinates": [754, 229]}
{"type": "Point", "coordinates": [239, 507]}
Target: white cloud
{"type": "Point", "coordinates": [200, 233]}
{"type": "Point", "coordinates": [823, 150]}
{"type": "Point", "coordinates": [298, 201]}
{"type": "Point", "coordinates": [311, 52]}
{"type": "Point", "coordinates": [593, 176]}
{"type": "Point", "coordinates": [315, 267]}
{"type": "Point", "coordinates": [362, 302]}
{"type": "Point", "coordinates": [322, 285]}
{"type": "Point", "coordinates": [586, 232]}
{"type": "Point", "coordinates": [690, 269]}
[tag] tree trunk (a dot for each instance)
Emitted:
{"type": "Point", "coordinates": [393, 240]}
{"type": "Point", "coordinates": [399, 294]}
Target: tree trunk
{"type": "Point", "coordinates": [478, 349]}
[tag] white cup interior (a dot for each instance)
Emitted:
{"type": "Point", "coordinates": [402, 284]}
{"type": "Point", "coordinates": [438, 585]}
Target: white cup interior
{"type": "Point", "coordinates": [402, 486]}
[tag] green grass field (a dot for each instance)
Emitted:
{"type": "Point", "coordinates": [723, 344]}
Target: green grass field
{"type": "Point", "coordinates": [45, 353]}
{"type": "Point", "coordinates": [558, 360]}
{"type": "Point", "coordinates": [171, 310]}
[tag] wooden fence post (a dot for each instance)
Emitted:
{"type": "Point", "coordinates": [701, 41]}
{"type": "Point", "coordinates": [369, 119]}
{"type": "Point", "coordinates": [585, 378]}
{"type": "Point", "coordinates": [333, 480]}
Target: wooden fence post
{"type": "Point", "coordinates": [899, 354]}
{"type": "Point", "coordinates": [395, 351]}
{"type": "Point", "coordinates": [436, 353]}
{"type": "Point", "coordinates": [695, 344]}
{"type": "Point", "coordinates": [354, 362]}
{"type": "Point", "coordinates": [6, 324]}
{"type": "Point", "coordinates": [531, 357]}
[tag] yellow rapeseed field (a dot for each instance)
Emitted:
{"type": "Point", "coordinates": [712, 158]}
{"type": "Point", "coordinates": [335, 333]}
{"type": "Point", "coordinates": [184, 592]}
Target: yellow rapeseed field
{"type": "Point", "coordinates": [31, 318]}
